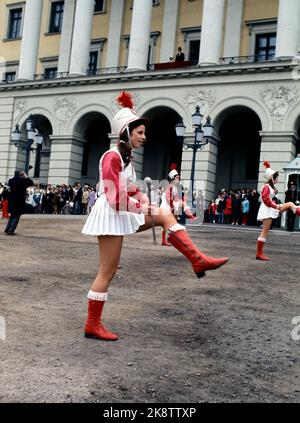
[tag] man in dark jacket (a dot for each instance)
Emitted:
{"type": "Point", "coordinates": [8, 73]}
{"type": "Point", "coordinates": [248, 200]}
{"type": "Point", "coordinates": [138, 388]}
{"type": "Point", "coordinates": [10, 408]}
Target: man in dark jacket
{"type": "Point", "coordinates": [16, 201]}
{"type": "Point", "coordinates": [291, 195]}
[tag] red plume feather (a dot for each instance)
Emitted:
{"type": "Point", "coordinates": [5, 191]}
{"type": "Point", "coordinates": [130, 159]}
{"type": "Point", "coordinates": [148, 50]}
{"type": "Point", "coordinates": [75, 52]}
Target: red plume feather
{"type": "Point", "coordinates": [267, 164]}
{"type": "Point", "coordinates": [125, 99]}
{"type": "Point", "coordinates": [173, 166]}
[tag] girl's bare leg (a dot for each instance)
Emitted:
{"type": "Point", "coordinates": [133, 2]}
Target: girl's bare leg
{"type": "Point", "coordinates": [266, 227]}
{"type": "Point", "coordinates": [287, 206]}
{"type": "Point", "coordinates": [109, 257]}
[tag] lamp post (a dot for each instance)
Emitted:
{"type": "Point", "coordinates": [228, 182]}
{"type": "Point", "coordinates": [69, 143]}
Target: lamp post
{"type": "Point", "coordinates": [202, 136]}
{"type": "Point", "coordinates": [33, 136]}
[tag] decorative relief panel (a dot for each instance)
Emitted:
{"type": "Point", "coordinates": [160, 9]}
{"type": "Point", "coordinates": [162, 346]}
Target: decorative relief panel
{"type": "Point", "coordinates": [278, 100]}
{"type": "Point", "coordinates": [204, 99]}
{"type": "Point", "coordinates": [20, 107]}
{"type": "Point", "coordinates": [64, 108]}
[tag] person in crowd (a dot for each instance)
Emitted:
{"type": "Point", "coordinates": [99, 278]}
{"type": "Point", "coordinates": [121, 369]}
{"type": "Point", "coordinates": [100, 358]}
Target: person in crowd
{"type": "Point", "coordinates": [92, 199]}
{"type": "Point", "coordinates": [228, 209]}
{"type": "Point", "coordinates": [85, 200]}
{"type": "Point", "coordinates": [212, 207]}
{"type": "Point", "coordinates": [236, 209]}
{"type": "Point", "coordinates": [180, 55]}
{"type": "Point", "coordinates": [4, 199]}
{"type": "Point", "coordinates": [245, 210]}
{"type": "Point", "coordinates": [220, 208]}
{"type": "Point", "coordinates": [291, 195]}
{"type": "Point", "coordinates": [17, 197]}
{"type": "Point", "coordinates": [78, 199]}
{"type": "Point", "coordinates": [253, 207]}
{"type": "Point", "coordinates": [122, 209]}
{"type": "Point", "coordinates": [269, 209]}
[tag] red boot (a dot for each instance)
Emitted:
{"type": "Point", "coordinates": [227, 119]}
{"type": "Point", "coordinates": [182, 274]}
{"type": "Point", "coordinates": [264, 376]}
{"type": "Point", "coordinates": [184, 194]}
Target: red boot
{"type": "Point", "coordinates": [164, 240]}
{"type": "Point", "coordinates": [259, 251]}
{"type": "Point", "coordinates": [182, 242]}
{"type": "Point", "coordinates": [298, 211]}
{"type": "Point", "coordinates": [93, 327]}
{"type": "Point", "coordinates": [189, 214]}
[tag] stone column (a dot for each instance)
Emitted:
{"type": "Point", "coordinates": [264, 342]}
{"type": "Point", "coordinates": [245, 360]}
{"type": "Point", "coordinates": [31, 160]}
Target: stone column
{"type": "Point", "coordinates": [168, 39]}
{"type": "Point", "coordinates": [65, 159]}
{"type": "Point", "coordinates": [30, 39]}
{"type": "Point", "coordinates": [211, 32]}
{"type": "Point", "coordinates": [8, 152]}
{"type": "Point", "coordinates": [81, 42]}
{"type": "Point", "coordinates": [205, 168]}
{"type": "Point", "coordinates": [233, 28]}
{"type": "Point", "coordinates": [279, 148]}
{"type": "Point", "coordinates": [66, 36]}
{"type": "Point", "coordinates": [114, 34]}
{"type": "Point", "coordinates": [140, 35]}
{"type": "Point", "coordinates": [287, 40]}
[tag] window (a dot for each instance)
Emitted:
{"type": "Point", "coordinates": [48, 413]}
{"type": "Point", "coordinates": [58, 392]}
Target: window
{"type": "Point", "coordinates": [265, 46]}
{"type": "Point", "coordinates": [10, 76]}
{"type": "Point", "coordinates": [194, 50]}
{"type": "Point", "coordinates": [56, 16]}
{"type": "Point", "coordinates": [92, 70]}
{"type": "Point", "coordinates": [99, 6]}
{"type": "Point", "coordinates": [15, 20]}
{"type": "Point", "coordinates": [50, 73]}
{"type": "Point", "coordinates": [155, 2]}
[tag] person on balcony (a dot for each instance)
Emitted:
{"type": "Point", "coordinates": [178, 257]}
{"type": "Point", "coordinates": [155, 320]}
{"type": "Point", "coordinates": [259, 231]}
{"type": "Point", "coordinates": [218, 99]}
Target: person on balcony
{"type": "Point", "coordinates": [180, 55]}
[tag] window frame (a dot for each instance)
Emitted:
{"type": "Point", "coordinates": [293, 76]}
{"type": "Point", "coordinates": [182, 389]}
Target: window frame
{"type": "Point", "coordinates": [48, 69]}
{"type": "Point", "coordinates": [51, 16]}
{"type": "Point", "coordinates": [10, 73]}
{"type": "Point", "coordinates": [266, 49]}
{"type": "Point", "coordinates": [9, 9]}
{"type": "Point", "coordinates": [93, 51]}
{"type": "Point", "coordinates": [259, 27]}
{"type": "Point", "coordinates": [96, 12]}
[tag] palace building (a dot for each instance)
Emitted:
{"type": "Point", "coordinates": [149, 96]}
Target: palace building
{"type": "Point", "coordinates": [63, 63]}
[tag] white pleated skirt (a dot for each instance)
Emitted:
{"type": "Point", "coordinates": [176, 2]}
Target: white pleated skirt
{"type": "Point", "coordinates": [103, 220]}
{"type": "Point", "coordinates": [266, 212]}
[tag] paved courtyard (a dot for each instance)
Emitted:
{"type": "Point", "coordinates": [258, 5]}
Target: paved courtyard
{"type": "Point", "coordinates": [230, 337]}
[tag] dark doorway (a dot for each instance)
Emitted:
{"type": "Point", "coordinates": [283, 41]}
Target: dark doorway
{"type": "Point", "coordinates": [162, 147]}
{"type": "Point", "coordinates": [94, 128]}
{"type": "Point", "coordinates": [238, 150]}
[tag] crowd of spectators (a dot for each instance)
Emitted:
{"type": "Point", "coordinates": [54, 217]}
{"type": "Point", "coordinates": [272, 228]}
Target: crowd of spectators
{"type": "Point", "coordinates": [236, 207]}
{"type": "Point", "coordinates": [61, 199]}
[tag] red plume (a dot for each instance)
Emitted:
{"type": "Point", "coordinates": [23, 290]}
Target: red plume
{"type": "Point", "coordinates": [173, 166]}
{"type": "Point", "coordinates": [125, 99]}
{"type": "Point", "coordinates": [267, 164]}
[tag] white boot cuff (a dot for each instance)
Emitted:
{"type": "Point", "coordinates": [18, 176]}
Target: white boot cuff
{"type": "Point", "coordinates": [98, 296]}
{"type": "Point", "coordinates": [177, 227]}
{"type": "Point", "coordinates": [261, 239]}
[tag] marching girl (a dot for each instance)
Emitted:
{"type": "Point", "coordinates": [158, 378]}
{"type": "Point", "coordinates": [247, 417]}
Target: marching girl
{"type": "Point", "coordinates": [173, 200]}
{"type": "Point", "coordinates": [269, 209]}
{"type": "Point", "coordinates": [122, 209]}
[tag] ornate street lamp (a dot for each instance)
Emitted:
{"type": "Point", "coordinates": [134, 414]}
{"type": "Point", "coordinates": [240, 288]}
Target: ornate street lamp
{"type": "Point", "coordinates": [33, 136]}
{"type": "Point", "coordinates": [202, 136]}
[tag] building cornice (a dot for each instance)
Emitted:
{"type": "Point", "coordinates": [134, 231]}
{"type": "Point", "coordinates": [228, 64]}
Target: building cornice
{"type": "Point", "coordinates": [167, 74]}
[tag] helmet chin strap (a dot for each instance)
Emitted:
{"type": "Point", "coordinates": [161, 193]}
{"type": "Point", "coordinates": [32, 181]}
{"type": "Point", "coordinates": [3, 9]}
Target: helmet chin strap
{"type": "Point", "coordinates": [128, 134]}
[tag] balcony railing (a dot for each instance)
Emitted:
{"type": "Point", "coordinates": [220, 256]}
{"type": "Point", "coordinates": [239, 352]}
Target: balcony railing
{"type": "Point", "coordinates": [155, 67]}
{"type": "Point", "coordinates": [244, 59]}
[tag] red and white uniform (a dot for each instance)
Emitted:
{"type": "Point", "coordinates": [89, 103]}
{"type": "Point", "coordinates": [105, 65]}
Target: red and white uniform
{"type": "Point", "coordinates": [268, 207]}
{"type": "Point", "coordinates": [116, 211]}
{"type": "Point", "coordinates": [170, 199]}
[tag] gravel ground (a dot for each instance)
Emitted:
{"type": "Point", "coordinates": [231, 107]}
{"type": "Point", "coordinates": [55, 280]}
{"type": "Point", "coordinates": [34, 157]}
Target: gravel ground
{"type": "Point", "coordinates": [226, 338]}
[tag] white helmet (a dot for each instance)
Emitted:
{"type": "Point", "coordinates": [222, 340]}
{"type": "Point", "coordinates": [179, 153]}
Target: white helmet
{"type": "Point", "coordinates": [269, 172]}
{"type": "Point", "coordinates": [126, 115]}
